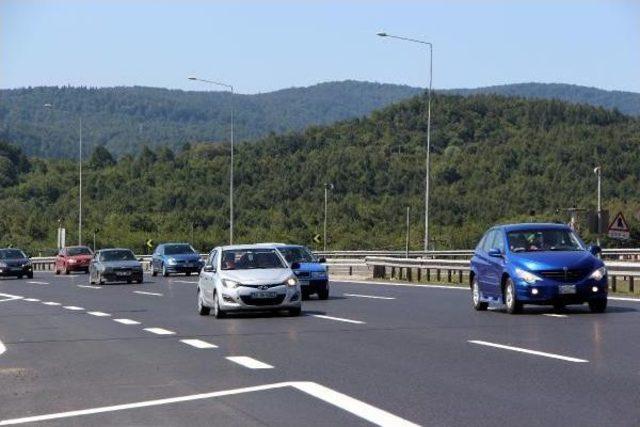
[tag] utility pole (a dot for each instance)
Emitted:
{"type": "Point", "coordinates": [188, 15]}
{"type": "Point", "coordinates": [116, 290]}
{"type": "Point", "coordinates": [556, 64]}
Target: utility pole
{"type": "Point", "coordinates": [327, 187]}
{"type": "Point", "coordinates": [406, 249]}
{"type": "Point", "coordinates": [598, 172]}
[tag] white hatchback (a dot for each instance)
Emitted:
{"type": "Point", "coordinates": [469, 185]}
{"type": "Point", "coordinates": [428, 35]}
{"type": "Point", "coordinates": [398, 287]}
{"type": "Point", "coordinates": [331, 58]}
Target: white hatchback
{"type": "Point", "coordinates": [247, 277]}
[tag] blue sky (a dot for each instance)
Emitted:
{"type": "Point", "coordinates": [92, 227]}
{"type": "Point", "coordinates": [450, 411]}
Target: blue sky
{"type": "Point", "coordinates": [260, 46]}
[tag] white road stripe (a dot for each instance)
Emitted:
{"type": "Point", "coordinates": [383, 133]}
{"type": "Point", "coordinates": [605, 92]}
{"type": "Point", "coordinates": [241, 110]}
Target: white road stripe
{"type": "Point", "coordinates": [98, 313]}
{"type": "Point", "coordinates": [159, 331]}
{"type": "Point", "coordinates": [39, 283]}
{"type": "Point", "coordinates": [51, 303]}
{"type": "Point", "coordinates": [339, 319]}
{"type": "Point", "coordinates": [73, 308]}
{"type": "Point", "coordinates": [9, 297]}
{"type": "Point", "coordinates": [32, 299]}
{"type": "Point", "coordinates": [147, 293]}
{"type": "Point", "coordinates": [2, 348]}
{"type": "Point", "coordinates": [367, 296]}
{"type": "Point", "coordinates": [89, 286]}
{"type": "Point", "coordinates": [555, 315]}
{"type": "Point", "coordinates": [127, 321]}
{"type": "Point", "coordinates": [410, 285]}
{"type": "Point", "coordinates": [183, 281]}
{"type": "Point", "coordinates": [199, 344]}
{"type": "Point", "coordinates": [624, 299]}
{"type": "Point", "coordinates": [534, 352]}
{"type": "Point", "coordinates": [339, 400]}
{"type": "Point", "coordinates": [249, 362]}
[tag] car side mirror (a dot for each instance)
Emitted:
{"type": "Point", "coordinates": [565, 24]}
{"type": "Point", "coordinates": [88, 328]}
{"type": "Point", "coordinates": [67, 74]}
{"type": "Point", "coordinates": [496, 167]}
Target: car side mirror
{"type": "Point", "coordinates": [495, 252]}
{"type": "Point", "coordinates": [295, 266]}
{"type": "Point", "coordinates": [209, 268]}
{"type": "Point", "coordinates": [594, 249]}
{"type": "Point", "coordinates": [322, 260]}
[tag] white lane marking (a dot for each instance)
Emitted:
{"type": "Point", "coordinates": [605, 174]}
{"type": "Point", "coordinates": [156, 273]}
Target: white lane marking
{"type": "Point", "coordinates": [624, 299]}
{"type": "Point", "coordinates": [525, 350]}
{"type": "Point", "coordinates": [339, 319]}
{"type": "Point", "coordinates": [183, 281]}
{"type": "Point", "coordinates": [9, 297]}
{"type": "Point", "coordinates": [127, 321]}
{"type": "Point", "coordinates": [249, 362]}
{"type": "Point", "coordinates": [73, 308]}
{"type": "Point", "coordinates": [2, 348]}
{"type": "Point", "coordinates": [339, 400]}
{"type": "Point", "coordinates": [98, 313]}
{"type": "Point", "coordinates": [367, 296]}
{"type": "Point", "coordinates": [199, 344]}
{"type": "Point", "coordinates": [51, 303]}
{"type": "Point", "coordinates": [159, 331]}
{"type": "Point", "coordinates": [410, 285]}
{"type": "Point", "coordinates": [39, 283]}
{"type": "Point", "coordinates": [555, 315]}
{"type": "Point", "coordinates": [32, 299]}
{"type": "Point", "coordinates": [147, 293]}
{"type": "Point", "coordinates": [89, 286]}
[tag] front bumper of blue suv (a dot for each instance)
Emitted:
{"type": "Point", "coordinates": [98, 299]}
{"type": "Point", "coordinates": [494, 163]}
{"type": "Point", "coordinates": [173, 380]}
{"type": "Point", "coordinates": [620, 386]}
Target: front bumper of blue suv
{"type": "Point", "coordinates": [560, 287]}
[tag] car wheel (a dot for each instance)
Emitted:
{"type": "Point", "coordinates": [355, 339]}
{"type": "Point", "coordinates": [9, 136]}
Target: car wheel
{"type": "Point", "coordinates": [202, 309]}
{"type": "Point", "coordinates": [139, 281]}
{"type": "Point", "coordinates": [293, 312]}
{"type": "Point", "coordinates": [323, 294]}
{"type": "Point", "coordinates": [30, 275]}
{"type": "Point", "coordinates": [86, 272]}
{"type": "Point", "coordinates": [91, 281]}
{"type": "Point", "coordinates": [598, 306]}
{"type": "Point", "coordinates": [165, 273]}
{"type": "Point", "coordinates": [475, 293]}
{"type": "Point", "coordinates": [305, 294]}
{"type": "Point", "coordinates": [510, 299]}
{"type": "Point", "coordinates": [57, 271]}
{"type": "Point", "coordinates": [188, 273]}
{"type": "Point", "coordinates": [218, 313]}
{"type": "Point", "coordinates": [66, 270]}
{"type": "Point", "coordinates": [129, 281]}
{"type": "Point", "coordinates": [99, 279]}
{"type": "Point", "coordinates": [559, 306]}
{"type": "Point", "coordinates": [154, 273]}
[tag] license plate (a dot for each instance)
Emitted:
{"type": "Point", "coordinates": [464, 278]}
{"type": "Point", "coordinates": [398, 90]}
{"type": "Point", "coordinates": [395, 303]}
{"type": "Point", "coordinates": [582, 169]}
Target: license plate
{"type": "Point", "coordinates": [567, 289]}
{"type": "Point", "coordinates": [263, 295]}
{"type": "Point", "coordinates": [304, 283]}
{"type": "Point", "coordinates": [122, 273]}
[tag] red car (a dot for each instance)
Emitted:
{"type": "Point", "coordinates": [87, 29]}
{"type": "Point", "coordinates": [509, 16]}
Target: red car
{"type": "Point", "coordinates": [73, 258]}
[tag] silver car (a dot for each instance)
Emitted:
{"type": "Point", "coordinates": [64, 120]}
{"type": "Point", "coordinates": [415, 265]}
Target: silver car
{"type": "Point", "coordinates": [247, 277]}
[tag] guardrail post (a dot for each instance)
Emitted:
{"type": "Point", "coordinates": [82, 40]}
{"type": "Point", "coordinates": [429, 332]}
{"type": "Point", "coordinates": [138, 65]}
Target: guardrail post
{"type": "Point", "coordinates": [350, 270]}
{"type": "Point", "coordinates": [460, 276]}
{"type": "Point", "coordinates": [631, 284]}
{"type": "Point", "coordinates": [409, 274]}
{"type": "Point", "coordinates": [449, 276]}
{"type": "Point", "coordinates": [438, 274]}
{"type": "Point", "coordinates": [613, 283]}
{"type": "Point", "coordinates": [428, 275]}
{"type": "Point", "coordinates": [419, 274]}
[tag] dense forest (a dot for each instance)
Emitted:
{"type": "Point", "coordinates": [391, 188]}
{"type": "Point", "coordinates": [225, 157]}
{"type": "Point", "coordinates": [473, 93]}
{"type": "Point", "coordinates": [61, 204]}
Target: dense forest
{"type": "Point", "coordinates": [124, 119]}
{"type": "Point", "coordinates": [495, 159]}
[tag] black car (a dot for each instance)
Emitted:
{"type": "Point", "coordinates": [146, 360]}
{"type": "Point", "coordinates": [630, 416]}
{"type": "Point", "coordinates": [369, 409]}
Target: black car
{"type": "Point", "coordinates": [115, 265]}
{"type": "Point", "coordinates": [14, 262]}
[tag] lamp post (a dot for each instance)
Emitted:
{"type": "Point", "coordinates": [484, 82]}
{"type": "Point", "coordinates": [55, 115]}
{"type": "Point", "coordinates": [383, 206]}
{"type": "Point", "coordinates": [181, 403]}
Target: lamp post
{"type": "Point", "coordinates": [327, 187]}
{"type": "Point", "coordinates": [598, 171]}
{"type": "Point", "coordinates": [428, 162]}
{"type": "Point", "coordinates": [50, 106]}
{"type": "Point", "coordinates": [230, 87]}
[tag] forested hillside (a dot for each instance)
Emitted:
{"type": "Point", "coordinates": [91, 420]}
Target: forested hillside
{"type": "Point", "coordinates": [495, 159]}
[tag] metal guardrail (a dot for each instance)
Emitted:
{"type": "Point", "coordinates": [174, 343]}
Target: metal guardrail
{"type": "Point", "coordinates": [631, 253]}
{"type": "Point", "coordinates": [412, 268]}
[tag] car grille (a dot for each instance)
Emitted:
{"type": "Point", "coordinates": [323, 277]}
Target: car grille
{"type": "Point", "coordinates": [563, 275]}
{"type": "Point", "coordinates": [303, 274]}
{"type": "Point", "coordinates": [271, 285]}
{"type": "Point", "coordinates": [247, 299]}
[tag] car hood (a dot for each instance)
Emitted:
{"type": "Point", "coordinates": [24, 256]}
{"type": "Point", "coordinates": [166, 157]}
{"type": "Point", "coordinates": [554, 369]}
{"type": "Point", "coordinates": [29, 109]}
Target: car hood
{"type": "Point", "coordinates": [548, 260]}
{"type": "Point", "coordinates": [257, 276]}
{"type": "Point", "coordinates": [184, 257]}
{"type": "Point", "coordinates": [15, 262]}
{"type": "Point", "coordinates": [312, 266]}
{"type": "Point", "coordinates": [116, 264]}
{"type": "Point", "coordinates": [81, 257]}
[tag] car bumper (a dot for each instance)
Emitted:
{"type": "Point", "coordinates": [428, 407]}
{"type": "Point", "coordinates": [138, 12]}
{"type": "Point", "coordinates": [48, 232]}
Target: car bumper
{"type": "Point", "coordinates": [242, 299]}
{"type": "Point", "coordinates": [183, 268]}
{"type": "Point", "coordinates": [16, 271]}
{"type": "Point", "coordinates": [78, 267]}
{"type": "Point", "coordinates": [113, 278]}
{"type": "Point", "coordinates": [548, 292]}
{"type": "Point", "coordinates": [314, 285]}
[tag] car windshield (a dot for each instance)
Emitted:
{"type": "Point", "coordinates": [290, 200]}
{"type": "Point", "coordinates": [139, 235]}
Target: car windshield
{"type": "Point", "coordinates": [543, 240]}
{"type": "Point", "coordinates": [12, 254]}
{"type": "Point", "coordinates": [299, 254]}
{"type": "Point", "coordinates": [178, 249]}
{"type": "Point", "coordinates": [248, 259]}
{"type": "Point", "coordinates": [81, 250]}
{"type": "Point", "coordinates": [119, 255]}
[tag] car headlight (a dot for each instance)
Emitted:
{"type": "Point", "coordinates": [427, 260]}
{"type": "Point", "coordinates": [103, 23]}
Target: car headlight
{"type": "Point", "coordinates": [227, 283]}
{"type": "Point", "coordinates": [171, 261]}
{"type": "Point", "coordinates": [598, 274]}
{"type": "Point", "coordinates": [3, 264]}
{"type": "Point", "coordinates": [527, 276]}
{"type": "Point", "coordinates": [318, 274]}
{"type": "Point", "coordinates": [291, 281]}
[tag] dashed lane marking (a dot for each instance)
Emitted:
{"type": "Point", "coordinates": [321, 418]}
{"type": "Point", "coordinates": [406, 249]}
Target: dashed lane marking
{"type": "Point", "coordinates": [339, 319]}
{"type": "Point", "coordinates": [624, 299]}
{"type": "Point", "coordinates": [148, 293]}
{"type": "Point", "coordinates": [98, 314]}
{"type": "Point", "coordinates": [249, 362]}
{"type": "Point", "coordinates": [367, 296]}
{"type": "Point", "coordinates": [555, 315]}
{"type": "Point", "coordinates": [9, 297]}
{"type": "Point", "coordinates": [89, 286]}
{"type": "Point", "coordinates": [73, 308]}
{"type": "Point", "coordinates": [342, 401]}
{"type": "Point", "coordinates": [51, 303]}
{"type": "Point", "coordinates": [38, 283]}
{"type": "Point", "coordinates": [199, 344]}
{"type": "Point", "coordinates": [159, 331]}
{"type": "Point", "coordinates": [528, 351]}
{"type": "Point", "coordinates": [2, 348]}
{"type": "Point", "coordinates": [32, 299]}
{"type": "Point", "coordinates": [184, 281]}
{"type": "Point", "coordinates": [127, 321]}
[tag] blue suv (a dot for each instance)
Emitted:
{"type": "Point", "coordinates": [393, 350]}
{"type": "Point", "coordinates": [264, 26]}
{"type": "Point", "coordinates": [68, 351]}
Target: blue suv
{"type": "Point", "coordinates": [175, 258]}
{"type": "Point", "coordinates": [312, 272]}
{"type": "Point", "coordinates": [545, 264]}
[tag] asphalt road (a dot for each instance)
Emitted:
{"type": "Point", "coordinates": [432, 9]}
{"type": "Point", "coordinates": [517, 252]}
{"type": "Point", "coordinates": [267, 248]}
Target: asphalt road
{"type": "Point", "coordinates": [373, 353]}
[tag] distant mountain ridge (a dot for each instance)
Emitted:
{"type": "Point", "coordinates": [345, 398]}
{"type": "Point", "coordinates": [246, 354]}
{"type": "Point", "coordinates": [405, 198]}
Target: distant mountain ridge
{"type": "Point", "coordinates": [124, 119]}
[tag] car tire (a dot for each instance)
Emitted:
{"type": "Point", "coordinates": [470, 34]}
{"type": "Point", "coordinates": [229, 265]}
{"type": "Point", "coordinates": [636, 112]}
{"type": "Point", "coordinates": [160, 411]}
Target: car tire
{"type": "Point", "coordinates": [154, 273]}
{"type": "Point", "coordinates": [510, 299]}
{"type": "Point", "coordinates": [99, 279]}
{"type": "Point", "coordinates": [188, 273]}
{"type": "Point", "coordinates": [57, 271]}
{"type": "Point", "coordinates": [305, 294]}
{"type": "Point", "coordinates": [30, 275]}
{"type": "Point", "coordinates": [478, 305]}
{"type": "Point", "coordinates": [66, 270]}
{"type": "Point", "coordinates": [86, 272]}
{"type": "Point", "coordinates": [139, 281]}
{"type": "Point", "coordinates": [165, 273]}
{"type": "Point", "coordinates": [598, 306]}
{"type": "Point", "coordinates": [559, 306]}
{"type": "Point", "coordinates": [19, 276]}
{"type": "Point", "coordinates": [129, 281]}
{"type": "Point", "coordinates": [202, 309]}
{"type": "Point", "coordinates": [218, 313]}
{"type": "Point", "coordinates": [294, 312]}
{"type": "Point", "coordinates": [323, 294]}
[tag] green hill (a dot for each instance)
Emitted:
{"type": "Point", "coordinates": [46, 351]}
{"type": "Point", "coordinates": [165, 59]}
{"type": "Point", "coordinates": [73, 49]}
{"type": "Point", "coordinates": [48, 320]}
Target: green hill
{"type": "Point", "coordinates": [495, 159]}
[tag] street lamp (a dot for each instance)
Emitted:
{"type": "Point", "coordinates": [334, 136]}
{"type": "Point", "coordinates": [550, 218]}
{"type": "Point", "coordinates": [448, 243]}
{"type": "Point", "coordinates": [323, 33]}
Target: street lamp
{"type": "Point", "coordinates": [50, 106]}
{"type": "Point", "coordinates": [230, 87]}
{"type": "Point", "coordinates": [598, 171]}
{"type": "Point", "coordinates": [428, 162]}
{"type": "Point", "coordinates": [327, 187]}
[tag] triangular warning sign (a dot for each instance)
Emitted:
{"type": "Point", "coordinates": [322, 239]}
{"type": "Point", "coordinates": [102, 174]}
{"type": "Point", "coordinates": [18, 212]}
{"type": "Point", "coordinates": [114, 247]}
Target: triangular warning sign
{"type": "Point", "coordinates": [619, 229]}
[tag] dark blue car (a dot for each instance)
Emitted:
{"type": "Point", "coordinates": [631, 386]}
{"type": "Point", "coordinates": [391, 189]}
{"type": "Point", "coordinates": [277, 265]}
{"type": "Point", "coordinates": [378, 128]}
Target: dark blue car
{"type": "Point", "coordinates": [312, 272]}
{"type": "Point", "coordinates": [175, 258]}
{"type": "Point", "coordinates": [545, 264]}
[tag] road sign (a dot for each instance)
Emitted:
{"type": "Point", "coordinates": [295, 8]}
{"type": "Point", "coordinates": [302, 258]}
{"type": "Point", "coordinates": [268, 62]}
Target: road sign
{"type": "Point", "coordinates": [317, 238]}
{"type": "Point", "coordinates": [150, 244]}
{"type": "Point", "coordinates": [61, 238]}
{"type": "Point", "coordinates": [619, 229]}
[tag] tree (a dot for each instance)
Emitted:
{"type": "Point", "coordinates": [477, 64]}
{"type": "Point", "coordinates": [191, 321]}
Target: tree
{"type": "Point", "coordinates": [101, 158]}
